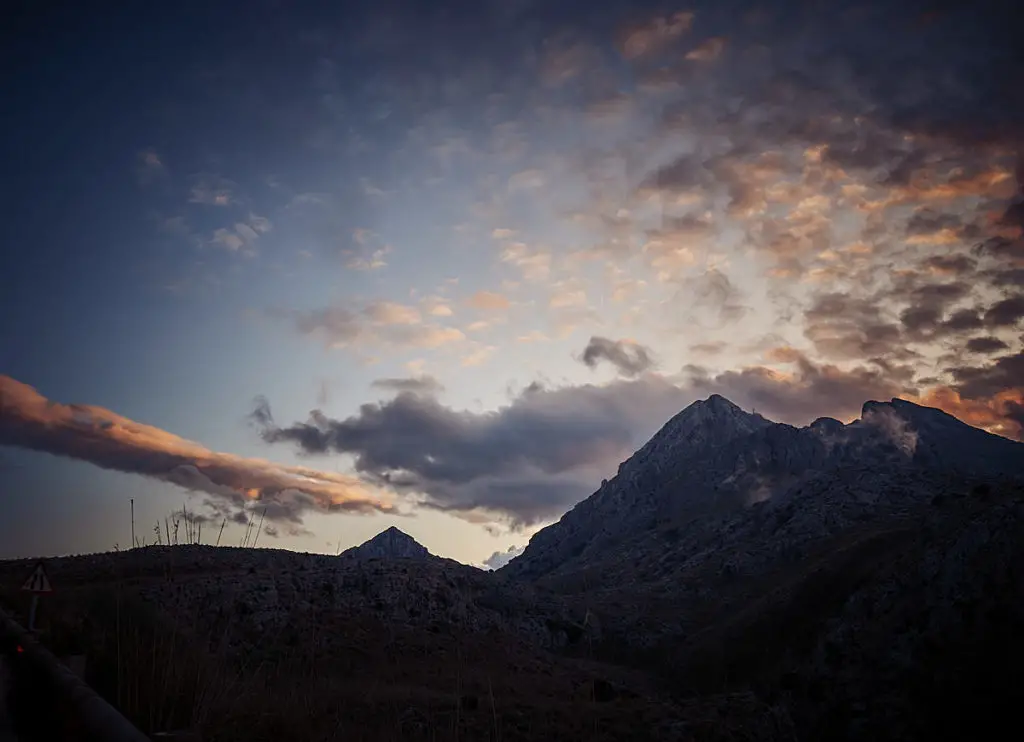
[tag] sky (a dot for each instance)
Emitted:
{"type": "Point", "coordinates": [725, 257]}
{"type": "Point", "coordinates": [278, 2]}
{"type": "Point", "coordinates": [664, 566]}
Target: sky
{"type": "Point", "coordinates": [342, 266]}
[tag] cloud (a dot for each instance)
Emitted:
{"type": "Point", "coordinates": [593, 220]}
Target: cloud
{"type": "Point", "coordinates": [707, 51]}
{"type": "Point", "coordinates": [1006, 312]}
{"type": "Point", "coordinates": [378, 323]}
{"type": "Point", "coordinates": [478, 356]}
{"type": "Point", "coordinates": [499, 559]}
{"type": "Point", "coordinates": [242, 237]}
{"type": "Point", "coordinates": [534, 264]}
{"type": "Point", "coordinates": [714, 293]}
{"type": "Point", "coordinates": [640, 40]}
{"type": "Point", "coordinates": [564, 59]}
{"type": "Point", "coordinates": [711, 348]}
{"type": "Point", "coordinates": [488, 301]}
{"type": "Point", "coordinates": [228, 239]}
{"type": "Point", "coordinates": [375, 261]}
{"type": "Point", "coordinates": [415, 384]}
{"type": "Point", "coordinates": [1000, 413]}
{"type": "Point", "coordinates": [986, 345]}
{"type": "Point", "coordinates": [392, 313]}
{"type": "Point", "coordinates": [567, 294]}
{"type": "Point", "coordinates": [628, 357]}
{"type": "Point", "coordinates": [149, 166]}
{"type": "Point", "coordinates": [211, 190]}
{"type": "Point", "coordinates": [985, 381]}
{"type": "Point", "coordinates": [338, 326]}
{"type": "Point", "coordinates": [523, 463]}
{"type": "Point", "coordinates": [850, 327]}
{"type": "Point", "coordinates": [110, 441]}
{"type": "Point", "coordinates": [800, 395]}
{"type": "Point", "coordinates": [369, 251]}
{"type": "Point", "coordinates": [437, 306]}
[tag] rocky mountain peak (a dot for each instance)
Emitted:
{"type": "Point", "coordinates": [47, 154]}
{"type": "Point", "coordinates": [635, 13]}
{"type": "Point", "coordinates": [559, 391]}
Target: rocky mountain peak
{"type": "Point", "coordinates": [707, 422]}
{"type": "Point", "coordinates": [390, 543]}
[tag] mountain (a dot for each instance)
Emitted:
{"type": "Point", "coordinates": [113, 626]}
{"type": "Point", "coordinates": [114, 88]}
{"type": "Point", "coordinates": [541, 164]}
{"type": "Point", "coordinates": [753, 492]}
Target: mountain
{"type": "Point", "coordinates": [737, 579]}
{"type": "Point", "coordinates": [713, 462]}
{"type": "Point", "coordinates": [389, 544]}
{"type": "Point", "coordinates": [858, 581]}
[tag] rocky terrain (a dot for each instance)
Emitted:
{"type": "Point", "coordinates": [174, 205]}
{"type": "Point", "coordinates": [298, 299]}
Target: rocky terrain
{"type": "Point", "coordinates": [737, 579]}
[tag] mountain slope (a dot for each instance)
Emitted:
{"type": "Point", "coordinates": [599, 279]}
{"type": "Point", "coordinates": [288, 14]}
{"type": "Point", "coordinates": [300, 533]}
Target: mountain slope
{"type": "Point", "coordinates": [864, 577]}
{"type": "Point", "coordinates": [713, 462]}
{"type": "Point", "coordinates": [629, 501]}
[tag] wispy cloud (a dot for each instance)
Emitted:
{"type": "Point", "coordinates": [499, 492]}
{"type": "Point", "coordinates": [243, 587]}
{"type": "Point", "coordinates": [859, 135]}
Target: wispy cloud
{"type": "Point", "coordinates": [642, 39]}
{"type": "Point", "coordinates": [149, 166]}
{"type": "Point", "coordinates": [416, 384]}
{"type": "Point", "coordinates": [211, 190]}
{"type": "Point", "coordinates": [533, 263]}
{"type": "Point", "coordinates": [242, 236]}
{"type": "Point", "coordinates": [110, 441]}
{"type": "Point", "coordinates": [488, 301]}
{"type": "Point", "coordinates": [380, 323]}
{"type": "Point", "coordinates": [707, 51]}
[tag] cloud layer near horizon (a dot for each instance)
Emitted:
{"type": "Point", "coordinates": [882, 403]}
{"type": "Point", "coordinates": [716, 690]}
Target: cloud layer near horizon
{"type": "Point", "coordinates": [532, 459]}
{"type": "Point", "coordinates": [230, 483]}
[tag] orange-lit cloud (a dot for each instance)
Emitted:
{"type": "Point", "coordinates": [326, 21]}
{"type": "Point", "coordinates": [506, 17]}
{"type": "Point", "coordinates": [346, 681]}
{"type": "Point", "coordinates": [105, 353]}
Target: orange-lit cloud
{"type": "Point", "coordinates": [488, 301]}
{"type": "Point", "coordinates": [707, 51]}
{"type": "Point", "coordinates": [640, 40]}
{"type": "Point", "coordinates": [108, 440]}
{"type": "Point", "coordinates": [995, 414]}
{"type": "Point", "coordinates": [392, 313]}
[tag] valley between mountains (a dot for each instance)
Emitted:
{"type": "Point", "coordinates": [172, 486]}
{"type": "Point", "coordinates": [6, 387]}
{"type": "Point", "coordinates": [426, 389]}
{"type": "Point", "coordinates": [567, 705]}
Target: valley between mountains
{"type": "Point", "coordinates": [737, 579]}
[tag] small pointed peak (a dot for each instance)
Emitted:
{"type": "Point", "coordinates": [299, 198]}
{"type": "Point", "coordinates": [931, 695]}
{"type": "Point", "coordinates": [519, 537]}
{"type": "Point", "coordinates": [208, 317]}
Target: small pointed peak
{"type": "Point", "coordinates": [717, 403]}
{"type": "Point", "coordinates": [391, 542]}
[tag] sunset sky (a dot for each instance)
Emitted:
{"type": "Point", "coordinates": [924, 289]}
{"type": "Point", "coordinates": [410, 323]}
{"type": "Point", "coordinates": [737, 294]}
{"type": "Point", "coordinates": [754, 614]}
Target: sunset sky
{"type": "Point", "coordinates": [444, 265]}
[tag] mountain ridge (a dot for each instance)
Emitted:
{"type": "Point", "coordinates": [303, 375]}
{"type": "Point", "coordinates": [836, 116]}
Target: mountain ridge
{"type": "Point", "coordinates": [714, 459]}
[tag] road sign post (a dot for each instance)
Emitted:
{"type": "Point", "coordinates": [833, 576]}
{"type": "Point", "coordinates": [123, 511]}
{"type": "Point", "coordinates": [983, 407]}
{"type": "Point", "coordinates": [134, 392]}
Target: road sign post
{"type": "Point", "coordinates": [37, 584]}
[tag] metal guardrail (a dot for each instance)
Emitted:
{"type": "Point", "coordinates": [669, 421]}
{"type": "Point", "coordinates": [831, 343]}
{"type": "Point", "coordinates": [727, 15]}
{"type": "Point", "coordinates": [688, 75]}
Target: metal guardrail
{"type": "Point", "coordinates": [95, 720]}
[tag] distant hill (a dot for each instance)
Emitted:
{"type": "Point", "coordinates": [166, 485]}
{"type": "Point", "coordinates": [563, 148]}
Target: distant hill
{"type": "Point", "coordinates": [391, 543]}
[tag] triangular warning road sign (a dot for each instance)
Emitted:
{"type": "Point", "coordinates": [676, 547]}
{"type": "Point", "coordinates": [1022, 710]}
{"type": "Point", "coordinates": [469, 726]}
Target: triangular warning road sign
{"type": "Point", "coordinates": [38, 582]}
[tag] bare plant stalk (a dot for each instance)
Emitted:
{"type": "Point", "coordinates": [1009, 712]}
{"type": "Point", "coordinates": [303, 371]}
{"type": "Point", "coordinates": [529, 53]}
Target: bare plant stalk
{"type": "Point", "coordinates": [248, 530]}
{"type": "Point", "coordinates": [259, 528]}
{"type": "Point", "coordinates": [132, 502]}
{"type": "Point", "coordinates": [222, 524]}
